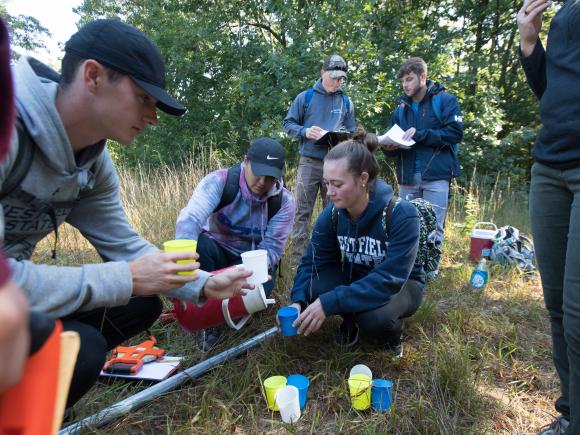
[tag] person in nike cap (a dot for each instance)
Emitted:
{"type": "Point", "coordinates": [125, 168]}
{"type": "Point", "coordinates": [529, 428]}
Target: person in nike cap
{"type": "Point", "coordinates": [238, 209]}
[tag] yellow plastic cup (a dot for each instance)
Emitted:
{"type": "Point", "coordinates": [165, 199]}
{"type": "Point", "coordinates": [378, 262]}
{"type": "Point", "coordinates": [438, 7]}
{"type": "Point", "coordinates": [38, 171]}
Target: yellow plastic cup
{"type": "Point", "coordinates": [182, 245]}
{"type": "Point", "coordinates": [271, 386]}
{"type": "Point", "coordinates": [360, 391]}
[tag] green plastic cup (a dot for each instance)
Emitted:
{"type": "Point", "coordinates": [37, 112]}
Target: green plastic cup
{"type": "Point", "coordinates": [271, 386]}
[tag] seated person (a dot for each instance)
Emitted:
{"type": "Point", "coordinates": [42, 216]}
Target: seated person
{"type": "Point", "coordinates": [240, 209]}
{"type": "Point", "coordinates": [351, 267]}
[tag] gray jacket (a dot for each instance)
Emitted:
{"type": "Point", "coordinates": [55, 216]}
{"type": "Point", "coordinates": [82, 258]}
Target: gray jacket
{"type": "Point", "coordinates": [84, 191]}
{"type": "Point", "coordinates": [325, 110]}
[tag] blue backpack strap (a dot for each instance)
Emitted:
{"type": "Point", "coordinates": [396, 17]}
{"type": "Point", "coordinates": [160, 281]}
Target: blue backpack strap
{"type": "Point", "coordinates": [346, 102]}
{"type": "Point", "coordinates": [436, 104]}
{"type": "Point", "coordinates": [307, 99]}
{"type": "Point", "coordinates": [310, 93]}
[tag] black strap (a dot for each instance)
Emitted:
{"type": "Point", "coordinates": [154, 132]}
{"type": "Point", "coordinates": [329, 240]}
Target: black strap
{"type": "Point", "coordinates": [232, 187]}
{"type": "Point", "coordinates": [22, 163]}
{"type": "Point", "coordinates": [388, 215]}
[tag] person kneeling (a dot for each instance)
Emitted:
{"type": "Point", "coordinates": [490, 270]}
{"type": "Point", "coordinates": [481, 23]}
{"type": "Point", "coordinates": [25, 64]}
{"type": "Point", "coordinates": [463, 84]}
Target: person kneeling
{"type": "Point", "coordinates": [352, 268]}
{"type": "Point", "coordinates": [243, 208]}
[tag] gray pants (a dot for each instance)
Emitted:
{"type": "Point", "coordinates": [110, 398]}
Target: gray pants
{"type": "Point", "coordinates": [436, 192]}
{"type": "Point", "coordinates": [308, 183]}
{"type": "Point", "coordinates": [555, 217]}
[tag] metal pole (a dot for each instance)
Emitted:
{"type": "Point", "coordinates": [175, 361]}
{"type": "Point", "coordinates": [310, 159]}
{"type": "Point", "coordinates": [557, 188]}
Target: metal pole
{"type": "Point", "coordinates": [134, 402]}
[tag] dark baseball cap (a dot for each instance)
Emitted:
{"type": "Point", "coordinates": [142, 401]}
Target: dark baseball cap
{"type": "Point", "coordinates": [266, 157]}
{"type": "Point", "coordinates": [126, 49]}
{"type": "Point", "coordinates": [336, 66]}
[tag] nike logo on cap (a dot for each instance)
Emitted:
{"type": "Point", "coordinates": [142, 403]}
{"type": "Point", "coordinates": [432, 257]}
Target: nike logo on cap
{"type": "Point", "coordinates": [271, 158]}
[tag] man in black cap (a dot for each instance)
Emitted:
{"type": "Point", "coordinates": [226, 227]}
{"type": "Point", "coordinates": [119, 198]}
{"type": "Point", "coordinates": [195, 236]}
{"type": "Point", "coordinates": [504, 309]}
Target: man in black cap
{"type": "Point", "coordinates": [240, 209]}
{"type": "Point", "coordinates": [112, 82]}
{"type": "Point", "coordinates": [314, 112]}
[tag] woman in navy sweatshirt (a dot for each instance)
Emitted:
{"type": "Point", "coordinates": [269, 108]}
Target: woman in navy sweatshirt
{"type": "Point", "coordinates": [554, 76]}
{"type": "Point", "coordinates": [351, 268]}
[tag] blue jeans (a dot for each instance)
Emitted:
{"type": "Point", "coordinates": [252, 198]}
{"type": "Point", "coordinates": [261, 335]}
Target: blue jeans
{"type": "Point", "coordinates": [555, 217]}
{"type": "Point", "coordinates": [436, 192]}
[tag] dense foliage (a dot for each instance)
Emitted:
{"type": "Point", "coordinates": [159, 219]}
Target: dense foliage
{"type": "Point", "coordinates": [238, 64]}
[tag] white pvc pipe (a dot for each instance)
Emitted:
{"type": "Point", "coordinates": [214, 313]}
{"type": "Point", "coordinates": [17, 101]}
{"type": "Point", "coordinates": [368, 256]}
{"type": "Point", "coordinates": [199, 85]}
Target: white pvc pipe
{"type": "Point", "coordinates": [134, 402]}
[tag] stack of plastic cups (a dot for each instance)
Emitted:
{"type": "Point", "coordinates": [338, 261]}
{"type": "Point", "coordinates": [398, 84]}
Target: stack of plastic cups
{"type": "Point", "coordinates": [359, 383]}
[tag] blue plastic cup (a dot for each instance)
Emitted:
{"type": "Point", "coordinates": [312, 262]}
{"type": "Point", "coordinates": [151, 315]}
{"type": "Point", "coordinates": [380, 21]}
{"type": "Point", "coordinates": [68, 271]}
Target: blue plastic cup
{"type": "Point", "coordinates": [302, 383]}
{"type": "Point", "coordinates": [287, 315]}
{"type": "Point", "coordinates": [381, 394]}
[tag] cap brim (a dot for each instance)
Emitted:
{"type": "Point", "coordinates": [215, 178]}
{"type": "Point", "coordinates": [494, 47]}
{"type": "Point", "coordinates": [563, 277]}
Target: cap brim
{"type": "Point", "coordinates": [165, 102]}
{"type": "Point", "coordinates": [336, 73]}
{"type": "Point", "coordinates": [262, 170]}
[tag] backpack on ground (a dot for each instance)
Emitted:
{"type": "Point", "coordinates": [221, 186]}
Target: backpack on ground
{"type": "Point", "coordinates": [511, 247]}
{"type": "Point", "coordinates": [232, 187]}
{"type": "Point", "coordinates": [429, 253]}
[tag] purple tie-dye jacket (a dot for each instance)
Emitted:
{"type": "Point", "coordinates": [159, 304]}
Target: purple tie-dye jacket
{"type": "Point", "coordinates": [242, 225]}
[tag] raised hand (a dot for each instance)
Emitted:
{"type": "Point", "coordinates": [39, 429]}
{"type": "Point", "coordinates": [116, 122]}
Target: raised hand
{"type": "Point", "coordinates": [529, 20]}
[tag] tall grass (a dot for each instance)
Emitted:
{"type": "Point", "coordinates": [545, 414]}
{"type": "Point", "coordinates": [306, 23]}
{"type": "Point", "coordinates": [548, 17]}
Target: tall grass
{"type": "Point", "coordinates": [476, 361]}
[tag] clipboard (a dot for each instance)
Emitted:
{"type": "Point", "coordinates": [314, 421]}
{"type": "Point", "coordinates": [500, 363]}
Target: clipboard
{"type": "Point", "coordinates": [332, 138]}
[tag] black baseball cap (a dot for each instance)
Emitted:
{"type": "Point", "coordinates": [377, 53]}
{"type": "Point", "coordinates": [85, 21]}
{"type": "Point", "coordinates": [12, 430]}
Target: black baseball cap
{"type": "Point", "coordinates": [336, 66]}
{"type": "Point", "coordinates": [126, 49]}
{"type": "Point", "coordinates": [266, 157]}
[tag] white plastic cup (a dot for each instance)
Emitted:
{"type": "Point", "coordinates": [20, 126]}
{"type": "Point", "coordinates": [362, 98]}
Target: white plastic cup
{"type": "Point", "coordinates": [361, 369]}
{"type": "Point", "coordinates": [287, 399]}
{"type": "Point", "coordinates": [257, 262]}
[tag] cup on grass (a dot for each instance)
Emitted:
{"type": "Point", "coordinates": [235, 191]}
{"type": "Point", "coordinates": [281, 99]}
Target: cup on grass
{"type": "Point", "coordinates": [289, 404]}
{"type": "Point", "coordinates": [359, 386]}
{"type": "Point", "coordinates": [181, 245]}
{"type": "Point", "coordinates": [286, 316]}
{"type": "Point", "coordinates": [361, 369]}
{"type": "Point", "coordinates": [271, 386]}
{"type": "Point", "coordinates": [257, 262]}
{"type": "Point", "coordinates": [302, 383]}
{"type": "Point", "coordinates": [381, 395]}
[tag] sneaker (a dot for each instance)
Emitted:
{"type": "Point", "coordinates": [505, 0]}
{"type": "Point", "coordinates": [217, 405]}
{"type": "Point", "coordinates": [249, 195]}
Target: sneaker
{"type": "Point", "coordinates": [347, 334]}
{"type": "Point", "coordinates": [557, 427]}
{"type": "Point", "coordinates": [395, 347]}
{"type": "Point", "coordinates": [433, 274]}
{"type": "Point", "coordinates": [206, 339]}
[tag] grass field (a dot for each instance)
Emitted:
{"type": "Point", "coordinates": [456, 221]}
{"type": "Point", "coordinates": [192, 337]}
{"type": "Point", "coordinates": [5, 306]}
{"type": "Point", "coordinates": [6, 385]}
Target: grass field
{"type": "Point", "coordinates": [475, 361]}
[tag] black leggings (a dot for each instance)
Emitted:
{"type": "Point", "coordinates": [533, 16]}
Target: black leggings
{"type": "Point", "coordinates": [101, 330]}
{"type": "Point", "coordinates": [383, 324]}
{"type": "Point", "coordinates": [212, 256]}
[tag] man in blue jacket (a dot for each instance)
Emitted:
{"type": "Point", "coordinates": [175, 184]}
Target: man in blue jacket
{"type": "Point", "coordinates": [432, 118]}
{"type": "Point", "coordinates": [314, 112]}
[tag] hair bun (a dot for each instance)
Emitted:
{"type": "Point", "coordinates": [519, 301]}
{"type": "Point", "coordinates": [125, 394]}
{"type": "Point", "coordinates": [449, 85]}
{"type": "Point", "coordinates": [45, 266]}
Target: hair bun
{"type": "Point", "coordinates": [369, 140]}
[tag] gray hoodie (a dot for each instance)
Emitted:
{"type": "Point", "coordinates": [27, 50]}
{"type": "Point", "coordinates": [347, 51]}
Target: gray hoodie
{"type": "Point", "coordinates": [327, 111]}
{"type": "Point", "coordinates": [84, 192]}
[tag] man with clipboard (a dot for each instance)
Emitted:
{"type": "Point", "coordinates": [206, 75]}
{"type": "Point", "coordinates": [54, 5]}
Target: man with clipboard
{"type": "Point", "coordinates": [317, 118]}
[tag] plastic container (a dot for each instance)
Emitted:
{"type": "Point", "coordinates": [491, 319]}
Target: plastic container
{"type": "Point", "coordinates": [481, 240]}
{"type": "Point", "coordinates": [479, 275]}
